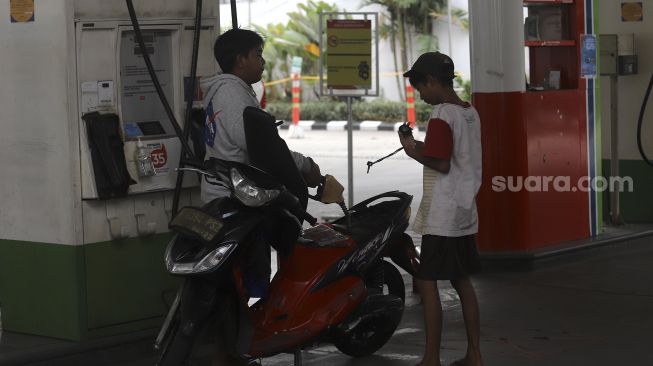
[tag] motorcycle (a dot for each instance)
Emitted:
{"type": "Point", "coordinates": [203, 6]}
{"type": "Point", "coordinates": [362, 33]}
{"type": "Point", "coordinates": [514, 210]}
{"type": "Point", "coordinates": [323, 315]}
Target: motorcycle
{"type": "Point", "coordinates": [334, 284]}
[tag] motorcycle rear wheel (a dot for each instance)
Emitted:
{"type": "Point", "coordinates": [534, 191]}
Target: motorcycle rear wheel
{"type": "Point", "coordinates": [369, 336]}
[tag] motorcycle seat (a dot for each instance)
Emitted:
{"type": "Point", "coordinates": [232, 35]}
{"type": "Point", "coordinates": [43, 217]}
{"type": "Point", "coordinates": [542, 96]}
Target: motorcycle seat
{"type": "Point", "coordinates": [322, 236]}
{"type": "Point", "coordinates": [367, 222]}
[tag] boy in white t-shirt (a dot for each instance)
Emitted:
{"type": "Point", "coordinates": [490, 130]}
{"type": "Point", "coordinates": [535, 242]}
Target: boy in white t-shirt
{"type": "Point", "coordinates": [447, 216]}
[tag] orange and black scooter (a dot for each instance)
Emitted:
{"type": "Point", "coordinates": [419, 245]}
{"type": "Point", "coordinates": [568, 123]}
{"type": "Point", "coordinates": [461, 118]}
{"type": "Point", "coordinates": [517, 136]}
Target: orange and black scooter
{"type": "Point", "coordinates": [334, 285]}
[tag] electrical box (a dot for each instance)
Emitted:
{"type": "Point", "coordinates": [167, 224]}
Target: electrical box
{"type": "Point", "coordinates": [617, 55]}
{"type": "Point", "coordinates": [628, 65]}
{"type": "Point", "coordinates": [608, 54]}
{"type": "Point", "coordinates": [105, 93]}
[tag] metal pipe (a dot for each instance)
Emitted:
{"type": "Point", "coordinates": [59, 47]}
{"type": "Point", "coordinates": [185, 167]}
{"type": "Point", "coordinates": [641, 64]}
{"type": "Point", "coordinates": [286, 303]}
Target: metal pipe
{"type": "Point", "coordinates": [189, 104]}
{"type": "Point", "coordinates": [350, 153]}
{"type": "Point", "coordinates": [298, 357]}
{"type": "Point", "coordinates": [376, 50]}
{"type": "Point", "coordinates": [615, 206]}
{"type": "Point", "coordinates": [168, 319]}
{"type": "Point", "coordinates": [449, 30]}
{"type": "Point", "coordinates": [234, 15]}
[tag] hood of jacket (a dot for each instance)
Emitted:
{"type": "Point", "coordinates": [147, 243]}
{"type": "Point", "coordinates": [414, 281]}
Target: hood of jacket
{"type": "Point", "coordinates": [211, 85]}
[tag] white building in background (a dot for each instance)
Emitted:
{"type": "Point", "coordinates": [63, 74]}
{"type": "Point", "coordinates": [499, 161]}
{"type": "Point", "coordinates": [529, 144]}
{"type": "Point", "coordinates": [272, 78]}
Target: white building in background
{"type": "Point", "coordinates": [263, 12]}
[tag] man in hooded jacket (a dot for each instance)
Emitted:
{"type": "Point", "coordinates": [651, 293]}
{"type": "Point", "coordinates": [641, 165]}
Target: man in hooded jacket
{"type": "Point", "coordinates": [239, 53]}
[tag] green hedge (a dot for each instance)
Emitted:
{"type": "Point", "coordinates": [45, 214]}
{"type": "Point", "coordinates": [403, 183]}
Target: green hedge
{"type": "Point", "coordinates": [325, 111]}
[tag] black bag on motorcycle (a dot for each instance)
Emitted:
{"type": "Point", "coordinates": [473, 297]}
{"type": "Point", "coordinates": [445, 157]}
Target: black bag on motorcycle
{"type": "Point", "coordinates": [269, 152]}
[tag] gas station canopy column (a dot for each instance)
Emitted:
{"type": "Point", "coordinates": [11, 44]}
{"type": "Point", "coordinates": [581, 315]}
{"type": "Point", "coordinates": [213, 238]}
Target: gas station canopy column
{"type": "Point", "coordinates": [81, 249]}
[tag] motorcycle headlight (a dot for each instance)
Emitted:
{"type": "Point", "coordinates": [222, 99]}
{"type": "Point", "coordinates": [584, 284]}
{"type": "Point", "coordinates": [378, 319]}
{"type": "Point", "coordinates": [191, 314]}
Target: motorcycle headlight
{"type": "Point", "coordinates": [209, 262]}
{"type": "Point", "coordinates": [249, 193]}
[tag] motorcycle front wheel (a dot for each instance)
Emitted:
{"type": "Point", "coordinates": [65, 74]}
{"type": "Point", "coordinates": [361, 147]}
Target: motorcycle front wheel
{"type": "Point", "coordinates": [370, 335]}
{"type": "Point", "coordinates": [189, 350]}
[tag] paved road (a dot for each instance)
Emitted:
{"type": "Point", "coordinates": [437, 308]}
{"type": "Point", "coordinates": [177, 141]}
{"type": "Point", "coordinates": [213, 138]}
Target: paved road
{"type": "Point", "coordinates": [329, 150]}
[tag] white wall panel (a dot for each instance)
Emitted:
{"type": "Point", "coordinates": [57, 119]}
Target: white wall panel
{"type": "Point", "coordinates": [631, 88]}
{"type": "Point", "coordinates": [112, 9]}
{"type": "Point", "coordinates": [38, 151]}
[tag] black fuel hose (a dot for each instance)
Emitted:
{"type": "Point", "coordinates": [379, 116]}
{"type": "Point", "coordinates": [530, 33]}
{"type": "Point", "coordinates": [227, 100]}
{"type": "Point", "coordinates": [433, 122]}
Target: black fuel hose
{"type": "Point", "coordinates": [189, 103]}
{"type": "Point", "coordinates": [155, 79]}
{"type": "Point", "coordinates": [641, 122]}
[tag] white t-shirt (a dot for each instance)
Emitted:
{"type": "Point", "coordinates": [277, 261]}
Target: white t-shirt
{"type": "Point", "coordinates": [448, 206]}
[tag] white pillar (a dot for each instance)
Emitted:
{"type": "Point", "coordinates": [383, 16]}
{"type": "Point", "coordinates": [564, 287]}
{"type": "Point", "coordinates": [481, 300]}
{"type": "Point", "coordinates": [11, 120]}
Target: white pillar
{"type": "Point", "coordinates": [497, 45]}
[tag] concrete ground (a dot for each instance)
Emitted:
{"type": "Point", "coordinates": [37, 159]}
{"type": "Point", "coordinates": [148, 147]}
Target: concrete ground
{"type": "Point", "coordinates": [589, 307]}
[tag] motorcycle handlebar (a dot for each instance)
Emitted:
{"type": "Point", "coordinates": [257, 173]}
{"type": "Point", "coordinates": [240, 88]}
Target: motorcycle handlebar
{"type": "Point", "coordinates": [310, 219]}
{"type": "Point", "coordinates": [291, 202]}
{"type": "Point", "coordinates": [194, 164]}
{"type": "Point", "coordinates": [198, 171]}
{"type": "Point", "coordinates": [288, 199]}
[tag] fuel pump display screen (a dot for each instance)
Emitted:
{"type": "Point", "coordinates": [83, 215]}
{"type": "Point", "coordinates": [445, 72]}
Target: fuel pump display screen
{"type": "Point", "coordinates": [140, 103]}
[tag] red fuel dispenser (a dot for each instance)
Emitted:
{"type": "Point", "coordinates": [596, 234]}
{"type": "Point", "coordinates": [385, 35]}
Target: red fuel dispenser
{"type": "Point", "coordinates": [538, 126]}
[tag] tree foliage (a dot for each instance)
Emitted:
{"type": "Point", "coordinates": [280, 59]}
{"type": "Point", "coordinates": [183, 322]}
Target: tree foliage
{"type": "Point", "coordinates": [407, 17]}
{"type": "Point", "coordinates": [298, 37]}
{"type": "Point", "coordinates": [404, 23]}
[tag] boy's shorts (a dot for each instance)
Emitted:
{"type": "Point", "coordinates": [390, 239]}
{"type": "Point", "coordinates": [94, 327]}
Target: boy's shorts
{"type": "Point", "coordinates": [448, 258]}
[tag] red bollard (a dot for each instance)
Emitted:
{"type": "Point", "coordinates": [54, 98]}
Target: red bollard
{"type": "Point", "coordinates": [410, 105]}
{"type": "Point", "coordinates": [296, 92]}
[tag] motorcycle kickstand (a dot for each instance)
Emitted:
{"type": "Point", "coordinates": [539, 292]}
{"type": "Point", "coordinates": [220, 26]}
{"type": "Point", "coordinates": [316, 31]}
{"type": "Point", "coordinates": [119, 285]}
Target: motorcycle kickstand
{"type": "Point", "coordinates": [298, 357]}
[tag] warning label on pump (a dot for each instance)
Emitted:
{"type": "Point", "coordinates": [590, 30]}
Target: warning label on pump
{"type": "Point", "coordinates": [349, 54]}
{"type": "Point", "coordinates": [159, 157]}
{"type": "Point", "coordinates": [22, 11]}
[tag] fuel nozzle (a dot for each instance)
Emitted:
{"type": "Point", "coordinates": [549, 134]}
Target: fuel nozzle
{"type": "Point", "coordinates": [331, 191]}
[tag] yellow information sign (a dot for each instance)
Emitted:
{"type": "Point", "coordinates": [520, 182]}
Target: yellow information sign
{"type": "Point", "coordinates": [22, 11]}
{"type": "Point", "coordinates": [349, 54]}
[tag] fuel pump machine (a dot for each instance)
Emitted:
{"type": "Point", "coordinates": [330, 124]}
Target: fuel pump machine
{"type": "Point", "coordinates": [538, 109]}
{"type": "Point", "coordinates": [87, 158]}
